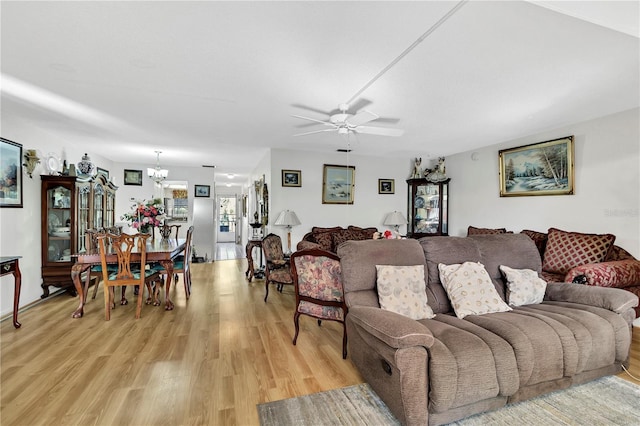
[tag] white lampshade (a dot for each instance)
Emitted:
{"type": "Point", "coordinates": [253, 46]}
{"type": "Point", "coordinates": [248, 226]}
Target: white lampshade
{"type": "Point", "coordinates": [287, 218]}
{"type": "Point", "coordinates": [395, 219]}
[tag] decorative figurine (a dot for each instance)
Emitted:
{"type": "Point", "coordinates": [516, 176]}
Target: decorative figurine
{"type": "Point", "coordinates": [31, 161]}
{"type": "Point", "coordinates": [417, 171]}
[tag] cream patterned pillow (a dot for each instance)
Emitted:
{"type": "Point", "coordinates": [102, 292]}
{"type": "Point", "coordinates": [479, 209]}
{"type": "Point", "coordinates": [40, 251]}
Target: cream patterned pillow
{"type": "Point", "coordinates": [525, 286]}
{"type": "Point", "coordinates": [401, 289]}
{"type": "Point", "coordinates": [470, 289]}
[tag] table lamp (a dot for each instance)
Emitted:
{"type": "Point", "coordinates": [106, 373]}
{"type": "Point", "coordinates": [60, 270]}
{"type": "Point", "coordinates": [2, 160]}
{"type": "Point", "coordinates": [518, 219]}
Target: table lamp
{"type": "Point", "coordinates": [395, 219]}
{"type": "Point", "coordinates": [289, 219]}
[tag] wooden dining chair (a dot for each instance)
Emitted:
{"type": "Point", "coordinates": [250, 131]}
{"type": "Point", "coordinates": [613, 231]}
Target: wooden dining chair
{"type": "Point", "coordinates": [95, 272]}
{"type": "Point", "coordinates": [167, 230]}
{"type": "Point", "coordinates": [277, 268]}
{"type": "Point", "coordinates": [317, 279]}
{"type": "Point", "coordinates": [128, 273]}
{"type": "Point", "coordinates": [181, 265]}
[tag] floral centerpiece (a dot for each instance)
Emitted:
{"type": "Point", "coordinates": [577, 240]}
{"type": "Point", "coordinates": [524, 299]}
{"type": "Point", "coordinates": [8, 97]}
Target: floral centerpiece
{"type": "Point", "coordinates": [144, 216]}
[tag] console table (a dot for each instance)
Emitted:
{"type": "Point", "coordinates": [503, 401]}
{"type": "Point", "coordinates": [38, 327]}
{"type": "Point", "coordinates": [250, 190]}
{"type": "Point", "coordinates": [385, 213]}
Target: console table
{"type": "Point", "coordinates": [9, 265]}
{"type": "Point", "coordinates": [251, 272]}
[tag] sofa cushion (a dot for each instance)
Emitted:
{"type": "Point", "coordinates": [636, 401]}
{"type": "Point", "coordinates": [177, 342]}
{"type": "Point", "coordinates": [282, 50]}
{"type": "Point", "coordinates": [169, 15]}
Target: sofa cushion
{"type": "Point", "coordinates": [619, 274]}
{"type": "Point", "coordinates": [402, 289]}
{"type": "Point", "coordinates": [539, 238]}
{"type": "Point", "coordinates": [324, 239]}
{"type": "Point", "coordinates": [349, 234]}
{"type": "Point", "coordinates": [366, 232]}
{"type": "Point", "coordinates": [566, 250]}
{"type": "Point", "coordinates": [524, 286]}
{"type": "Point", "coordinates": [472, 230]}
{"type": "Point", "coordinates": [470, 289]}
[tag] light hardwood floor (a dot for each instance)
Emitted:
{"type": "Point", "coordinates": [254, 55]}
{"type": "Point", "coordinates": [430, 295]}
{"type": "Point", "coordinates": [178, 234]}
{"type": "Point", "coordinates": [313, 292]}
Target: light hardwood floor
{"type": "Point", "coordinates": [208, 362]}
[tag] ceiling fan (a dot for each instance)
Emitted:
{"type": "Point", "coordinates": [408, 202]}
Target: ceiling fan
{"type": "Point", "coordinates": [344, 123]}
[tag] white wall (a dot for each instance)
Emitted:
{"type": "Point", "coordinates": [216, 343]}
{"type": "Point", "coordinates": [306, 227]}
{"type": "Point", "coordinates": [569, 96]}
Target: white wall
{"type": "Point", "coordinates": [369, 208]}
{"type": "Point", "coordinates": [607, 185]}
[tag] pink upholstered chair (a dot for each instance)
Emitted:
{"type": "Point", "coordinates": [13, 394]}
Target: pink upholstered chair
{"type": "Point", "coordinates": [317, 279]}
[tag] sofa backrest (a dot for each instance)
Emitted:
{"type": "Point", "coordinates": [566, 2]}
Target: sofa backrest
{"type": "Point", "coordinates": [358, 261]}
{"type": "Point", "coordinates": [514, 250]}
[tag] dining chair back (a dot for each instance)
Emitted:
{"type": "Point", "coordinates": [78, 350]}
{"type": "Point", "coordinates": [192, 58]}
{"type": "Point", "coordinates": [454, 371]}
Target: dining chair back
{"type": "Point", "coordinates": [277, 267]}
{"type": "Point", "coordinates": [95, 272]}
{"type": "Point", "coordinates": [167, 230]}
{"type": "Point", "coordinates": [317, 280]}
{"type": "Point", "coordinates": [181, 265]}
{"type": "Point", "coordinates": [128, 273]}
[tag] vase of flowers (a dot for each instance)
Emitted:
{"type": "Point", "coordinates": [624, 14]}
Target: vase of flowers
{"type": "Point", "coordinates": [145, 215]}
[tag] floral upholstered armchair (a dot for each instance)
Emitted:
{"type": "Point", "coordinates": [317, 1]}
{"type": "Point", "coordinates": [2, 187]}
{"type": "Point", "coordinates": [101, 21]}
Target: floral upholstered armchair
{"type": "Point", "coordinates": [277, 268]}
{"type": "Point", "coordinates": [317, 278]}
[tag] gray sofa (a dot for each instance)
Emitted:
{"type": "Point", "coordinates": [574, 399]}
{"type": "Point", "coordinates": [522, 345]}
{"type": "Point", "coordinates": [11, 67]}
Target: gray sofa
{"type": "Point", "coordinates": [435, 371]}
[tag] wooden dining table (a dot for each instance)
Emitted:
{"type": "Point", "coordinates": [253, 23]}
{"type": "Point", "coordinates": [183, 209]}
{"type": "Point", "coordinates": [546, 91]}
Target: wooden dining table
{"type": "Point", "coordinates": [163, 251]}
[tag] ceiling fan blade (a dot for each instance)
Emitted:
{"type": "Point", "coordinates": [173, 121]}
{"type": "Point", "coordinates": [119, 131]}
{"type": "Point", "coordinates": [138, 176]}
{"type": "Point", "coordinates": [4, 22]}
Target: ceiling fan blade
{"type": "Point", "coordinates": [316, 131]}
{"type": "Point", "coordinates": [381, 131]}
{"type": "Point", "coordinates": [362, 117]}
{"type": "Point", "coordinates": [388, 120]}
{"type": "Point", "coordinates": [359, 104]}
{"type": "Point", "coordinates": [326, 123]}
{"type": "Point", "coordinates": [316, 110]}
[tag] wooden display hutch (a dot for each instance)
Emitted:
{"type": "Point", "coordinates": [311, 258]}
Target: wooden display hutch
{"type": "Point", "coordinates": [70, 206]}
{"type": "Point", "coordinates": [428, 208]}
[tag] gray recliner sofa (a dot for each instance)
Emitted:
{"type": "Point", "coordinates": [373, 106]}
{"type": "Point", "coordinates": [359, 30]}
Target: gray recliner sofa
{"type": "Point", "coordinates": [439, 370]}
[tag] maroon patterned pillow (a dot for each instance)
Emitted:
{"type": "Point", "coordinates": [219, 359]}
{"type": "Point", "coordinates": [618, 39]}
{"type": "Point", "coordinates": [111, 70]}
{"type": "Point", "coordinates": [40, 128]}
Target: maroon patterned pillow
{"type": "Point", "coordinates": [366, 232]}
{"type": "Point", "coordinates": [472, 230]}
{"type": "Point", "coordinates": [566, 250]}
{"type": "Point", "coordinates": [618, 253]}
{"type": "Point", "coordinates": [539, 238]}
{"type": "Point", "coordinates": [324, 239]}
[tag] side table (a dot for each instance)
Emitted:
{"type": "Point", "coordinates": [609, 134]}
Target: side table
{"type": "Point", "coordinates": [9, 265]}
{"type": "Point", "coordinates": [251, 272]}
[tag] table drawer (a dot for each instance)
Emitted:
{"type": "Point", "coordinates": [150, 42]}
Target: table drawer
{"type": "Point", "coordinates": [8, 268]}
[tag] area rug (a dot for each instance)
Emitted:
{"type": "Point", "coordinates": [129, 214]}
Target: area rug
{"type": "Point", "coordinates": [606, 401]}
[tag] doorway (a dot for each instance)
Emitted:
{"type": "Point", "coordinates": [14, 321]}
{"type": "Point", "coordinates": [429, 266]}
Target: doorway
{"type": "Point", "coordinates": [226, 218]}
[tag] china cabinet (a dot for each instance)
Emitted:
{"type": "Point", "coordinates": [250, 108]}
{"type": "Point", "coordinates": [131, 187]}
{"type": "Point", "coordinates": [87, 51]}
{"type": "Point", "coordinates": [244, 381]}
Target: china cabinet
{"type": "Point", "coordinates": [427, 208]}
{"type": "Point", "coordinates": [70, 205]}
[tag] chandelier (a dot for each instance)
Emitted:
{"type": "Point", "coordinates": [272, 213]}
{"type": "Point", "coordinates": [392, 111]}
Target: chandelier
{"type": "Point", "coordinates": [158, 175]}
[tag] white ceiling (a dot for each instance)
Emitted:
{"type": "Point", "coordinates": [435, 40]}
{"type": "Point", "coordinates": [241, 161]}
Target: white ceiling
{"type": "Point", "coordinates": [217, 82]}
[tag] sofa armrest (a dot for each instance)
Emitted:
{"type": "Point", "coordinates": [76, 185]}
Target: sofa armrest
{"type": "Point", "coordinates": [618, 274]}
{"type": "Point", "coordinates": [395, 330]}
{"type": "Point", "coordinates": [613, 299]}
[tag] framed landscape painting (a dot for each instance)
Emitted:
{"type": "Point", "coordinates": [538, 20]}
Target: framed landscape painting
{"type": "Point", "coordinates": [544, 168]}
{"type": "Point", "coordinates": [133, 177]}
{"type": "Point", "coordinates": [291, 178]}
{"type": "Point", "coordinates": [10, 173]}
{"type": "Point", "coordinates": [203, 190]}
{"type": "Point", "coordinates": [338, 184]}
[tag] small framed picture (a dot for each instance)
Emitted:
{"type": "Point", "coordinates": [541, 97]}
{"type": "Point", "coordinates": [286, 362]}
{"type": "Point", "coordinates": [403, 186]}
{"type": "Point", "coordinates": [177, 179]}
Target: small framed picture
{"type": "Point", "coordinates": [386, 186]}
{"type": "Point", "coordinates": [133, 177]}
{"type": "Point", "coordinates": [291, 178]}
{"type": "Point", "coordinates": [104, 172]}
{"type": "Point", "coordinates": [203, 191]}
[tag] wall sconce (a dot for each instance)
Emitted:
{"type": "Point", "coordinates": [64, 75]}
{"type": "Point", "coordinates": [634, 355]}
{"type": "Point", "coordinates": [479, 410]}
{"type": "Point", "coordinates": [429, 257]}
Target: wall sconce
{"type": "Point", "coordinates": [395, 219]}
{"type": "Point", "coordinates": [31, 160]}
{"type": "Point", "coordinates": [289, 219]}
{"type": "Point", "coordinates": [158, 175]}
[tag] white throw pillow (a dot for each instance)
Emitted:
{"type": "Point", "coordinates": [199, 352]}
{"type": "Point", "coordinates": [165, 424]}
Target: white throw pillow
{"type": "Point", "coordinates": [470, 289]}
{"type": "Point", "coordinates": [401, 289]}
{"type": "Point", "coordinates": [525, 286]}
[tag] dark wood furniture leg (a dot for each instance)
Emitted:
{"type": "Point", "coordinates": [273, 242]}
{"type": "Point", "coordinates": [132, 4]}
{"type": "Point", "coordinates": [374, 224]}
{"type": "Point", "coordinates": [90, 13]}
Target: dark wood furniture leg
{"type": "Point", "coordinates": [10, 266]}
{"type": "Point", "coordinates": [76, 273]}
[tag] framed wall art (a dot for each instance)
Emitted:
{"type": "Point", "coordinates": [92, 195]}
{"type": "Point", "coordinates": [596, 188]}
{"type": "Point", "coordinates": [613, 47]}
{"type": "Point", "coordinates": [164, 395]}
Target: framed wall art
{"type": "Point", "coordinates": [544, 168]}
{"type": "Point", "coordinates": [10, 173]}
{"type": "Point", "coordinates": [291, 178]}
{"type": "Point", "coordinates": [386, 186]}
{"type": "Point", "coordinates": [338, 184]}
{"type": "Point", "coordinates": [133, 177]}
{"type": "Point", "coordinates": [202, 190]}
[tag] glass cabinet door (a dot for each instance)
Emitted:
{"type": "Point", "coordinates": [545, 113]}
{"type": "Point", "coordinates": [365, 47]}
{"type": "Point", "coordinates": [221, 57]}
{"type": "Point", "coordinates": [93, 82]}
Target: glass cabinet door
{"type": "Point", "coordinates": [110, 207]}
{"type": "Point", "coordinates": [58, 224]}
{"type": "Point", "coordinates": [98, 206]}
{"type": "Point", "coordinates": [428, 208]}
{"type": "Point", "coordinates": [83, 211]}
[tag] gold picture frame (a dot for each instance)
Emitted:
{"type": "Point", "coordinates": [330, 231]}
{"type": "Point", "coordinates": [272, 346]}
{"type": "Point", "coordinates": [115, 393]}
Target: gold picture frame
{"type": "Point", "coordinates": [544, 168]}
{"type": "Point", "coordinates": [338, 184]}
{"type": "Point", "coordinates": [292, 178]}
